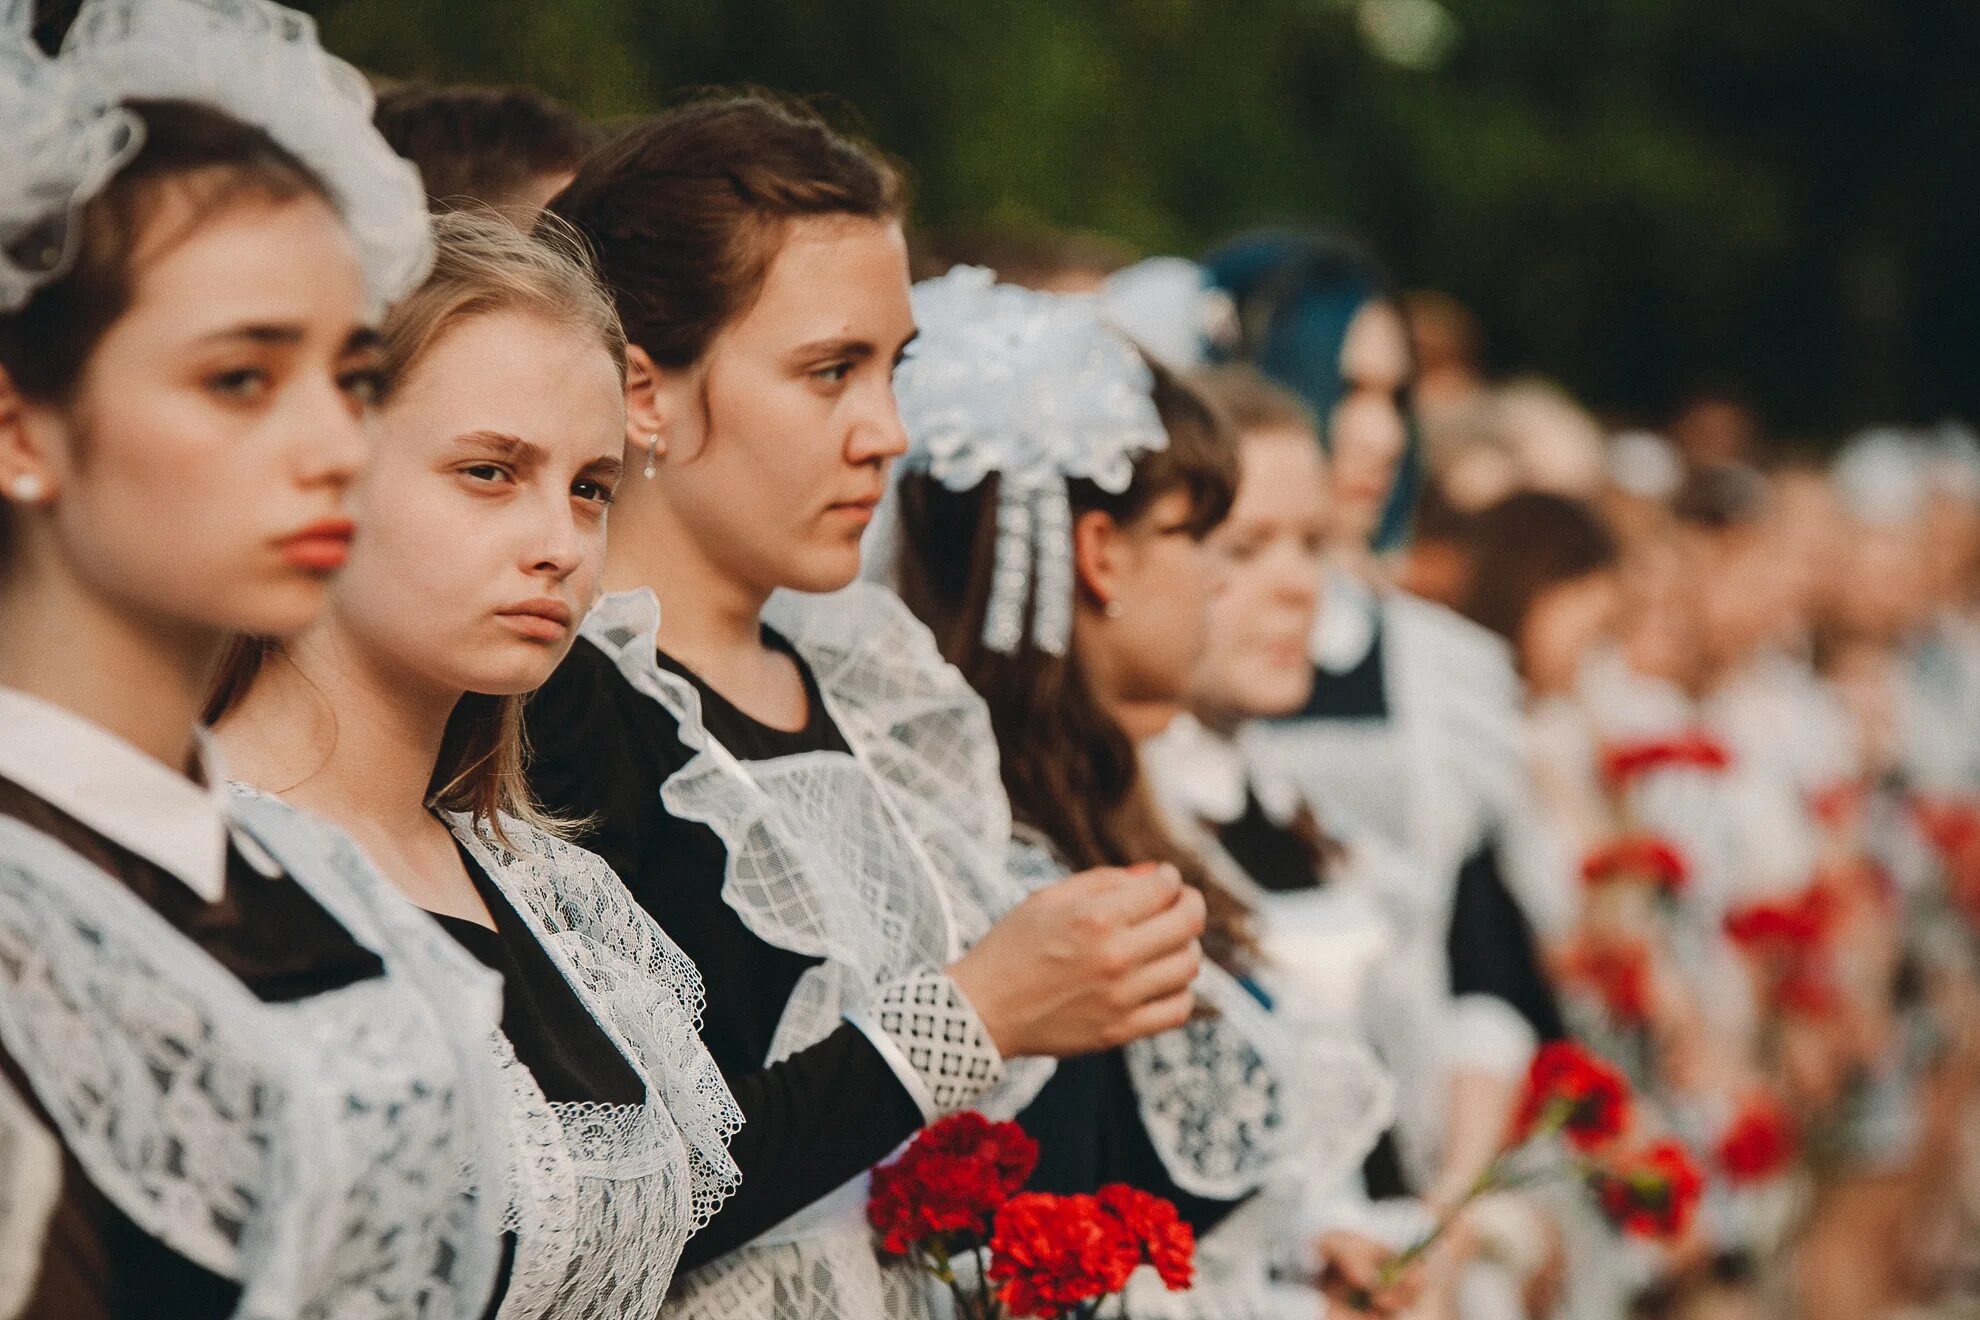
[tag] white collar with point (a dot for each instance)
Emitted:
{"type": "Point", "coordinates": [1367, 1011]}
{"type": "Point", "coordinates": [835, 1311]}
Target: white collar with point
{"type": "Point", "coordinates": [130, 798]}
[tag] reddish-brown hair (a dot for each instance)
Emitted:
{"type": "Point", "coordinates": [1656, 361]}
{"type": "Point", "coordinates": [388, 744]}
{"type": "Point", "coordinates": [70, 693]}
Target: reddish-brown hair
{"type": "Point", "coordinates": [686, 211]}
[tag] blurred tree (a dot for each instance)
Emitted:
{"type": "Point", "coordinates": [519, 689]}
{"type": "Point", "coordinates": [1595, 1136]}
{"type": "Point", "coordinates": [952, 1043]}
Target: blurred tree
{"type": "Point", "coordinates": [1633, 194]}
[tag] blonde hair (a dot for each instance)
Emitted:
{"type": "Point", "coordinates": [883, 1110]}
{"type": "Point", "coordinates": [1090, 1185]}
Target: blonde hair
{"type": "Point", "coordinates": [1251, 403]}
{"type": "Point", "coordinates": [483, 265]}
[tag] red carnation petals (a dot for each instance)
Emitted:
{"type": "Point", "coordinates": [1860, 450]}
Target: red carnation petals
{"type": "Point", "coordinates": [1653, 1192]}
{"type": "Point", "coordinates": [949, 1181]}
{"type": "Point", "coordinates": [1759, 1143]}
{"type": "Point", "coordinates": [1569, 1088]}
{"type": "Point", "coordinates": [1642, 857]}
{"type": "Point", "coordinates": [1048, 1253]}
{"type": "Point", "coordinates": [1624, 763]}
{"type": "Point", "coordinates": [1166, 1242]}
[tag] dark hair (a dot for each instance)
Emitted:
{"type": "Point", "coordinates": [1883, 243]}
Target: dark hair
{"type": "Point", "coordinates": [219, 159]}
{"type": "Point", "coordinates": [1524, 545]}
{"type": "Point", "coordinates": [1071, 771]}
{"type": "Point", "coordinates": [686, 211]}
{"type": "Point", "coordinates": [482, 145]}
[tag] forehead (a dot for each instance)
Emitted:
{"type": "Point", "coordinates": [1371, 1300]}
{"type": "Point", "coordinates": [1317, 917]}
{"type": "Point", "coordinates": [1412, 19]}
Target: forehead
{"type": "Point", "coordinates": [834, 277]}
{"type": "Point", "coordinates": [518, 374]}
{"type": "Point", "coordinates": [255, 261]}
{"type": "Point", "coordinates": [1280, 470]}
{"type": "Point", "coordinates": [1376, 340]}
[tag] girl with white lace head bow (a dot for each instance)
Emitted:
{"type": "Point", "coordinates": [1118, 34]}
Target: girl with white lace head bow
{"type": "Point", "coordinates": [398, 717]}
{"type": "Point", "coordinates": [798, 788]}
{"type": "Point", "coordinates": [1052, 513]}
{"type": "Point", "coordinates": [232, 1080]}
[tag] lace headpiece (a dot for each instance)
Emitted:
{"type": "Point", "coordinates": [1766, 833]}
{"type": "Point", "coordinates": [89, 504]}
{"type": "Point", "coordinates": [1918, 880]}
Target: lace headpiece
{"type": "Point", "coordinates": [1036, 388]}
{"type": "Point", "coordinates": [256, 60]}
{"type": "Point", "coordinates": [62, 141]}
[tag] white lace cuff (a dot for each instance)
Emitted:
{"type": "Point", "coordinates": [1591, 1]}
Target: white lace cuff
{"type": "Point", "coordinates": [930, 1036]}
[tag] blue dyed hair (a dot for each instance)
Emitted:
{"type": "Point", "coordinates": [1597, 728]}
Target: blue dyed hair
{"type": "Point", "coordinates": [1296, 294]}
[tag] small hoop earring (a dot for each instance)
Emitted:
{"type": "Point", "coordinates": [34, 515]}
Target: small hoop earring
{"type": "Point", "coordinates": [28, 488]}
{"type": "Point", "coordinates": [652, 455]}
{"type": "Point", "coordinates": [1113, 609]}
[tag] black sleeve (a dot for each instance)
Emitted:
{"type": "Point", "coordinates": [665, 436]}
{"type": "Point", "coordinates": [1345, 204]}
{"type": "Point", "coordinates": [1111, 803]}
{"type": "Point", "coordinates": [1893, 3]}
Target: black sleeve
{"type": "Point", "coordinates": [1492, 948]}
{"type": "Point", "coordinates": [600, 752]}
{"type": "Point", "coordinates": [810, 1123]}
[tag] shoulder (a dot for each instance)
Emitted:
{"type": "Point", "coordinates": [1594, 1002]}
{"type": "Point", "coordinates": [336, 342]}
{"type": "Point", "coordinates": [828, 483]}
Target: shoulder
{"type": "Point", "coordinates": [863, 640]}
{"type": "Point", "coordinates": [1456, 641]}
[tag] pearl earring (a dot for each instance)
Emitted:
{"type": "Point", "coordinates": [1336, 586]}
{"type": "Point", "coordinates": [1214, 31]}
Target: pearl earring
{"type": "Point", "coordinates": [28, 488]}
{"type": "Point", "coordinates": [652, 455]}
{"type": "Point", "coordinates": [1113, 609]}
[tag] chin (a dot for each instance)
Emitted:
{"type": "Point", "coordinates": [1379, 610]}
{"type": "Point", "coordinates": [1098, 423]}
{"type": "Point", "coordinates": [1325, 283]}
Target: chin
{"type": "Point", "coordinates": [825, 571]}
{"type": "Point", "coordinates": [276, 611]}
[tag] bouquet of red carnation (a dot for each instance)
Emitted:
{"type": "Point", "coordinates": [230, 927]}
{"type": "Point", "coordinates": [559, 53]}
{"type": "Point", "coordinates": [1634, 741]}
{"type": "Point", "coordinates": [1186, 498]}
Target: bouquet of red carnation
{"type": "Point", "coordinates": [1625, 763]}
{"type": "Point", "coordinates": [1651, 1193]}
{"type": "Point", "coordinates": [954, 1195]}
{"type": "Point", "coordinates": [1638, 858]}
{"type": "Point", "coordinates": [1759, 1143]}
{"type": "Point", "coordinates": [1785, 939]}
{"type": "Point", "coordinates": [1571, 1094]}
{"type": "Point", "coordinates": [1618, 975]}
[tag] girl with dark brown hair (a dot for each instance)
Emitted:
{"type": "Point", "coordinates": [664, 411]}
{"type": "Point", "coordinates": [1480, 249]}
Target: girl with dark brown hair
{"type": "Point", "coordinates": [237, 1078]}
{"type": "Point", "coordinates": [1052, 517]}
{"type": "Point", "coordinates": [797, 788]}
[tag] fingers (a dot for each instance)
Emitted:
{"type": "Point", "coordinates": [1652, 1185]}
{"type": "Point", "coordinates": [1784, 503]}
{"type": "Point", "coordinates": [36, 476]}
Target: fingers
{"type": "Point", "coordinates": [1152, 1019]}
{"type": "Point", "coordinates": [1171, 973]}
{"type": "Point", "coordinates": [1167, 931]}
{"type": "Point", "coordinates": [1127, 896]}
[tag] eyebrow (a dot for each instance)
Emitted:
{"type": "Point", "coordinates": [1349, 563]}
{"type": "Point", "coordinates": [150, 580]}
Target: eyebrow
{"type": "Point", "coordinates": [364, 339]}
{"type": "Point", "coordinates": [258, 333]}
{"type": "Point", "coordinates": [824, 348]}
{"type": "Point", "coordinates": [511, 448]}
{"type": "Point", "coordinates": [605, 469]}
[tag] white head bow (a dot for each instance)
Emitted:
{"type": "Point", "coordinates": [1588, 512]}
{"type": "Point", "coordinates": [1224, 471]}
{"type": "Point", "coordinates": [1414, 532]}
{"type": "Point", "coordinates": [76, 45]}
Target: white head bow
{"type": "Point", "coordinates": [1036, 388]}
{"type": "Point", "coordinates": [256, 60]}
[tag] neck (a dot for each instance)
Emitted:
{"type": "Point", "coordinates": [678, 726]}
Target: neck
{"type": "Point", "coordinates": [336, 733]}
{"type": "Point", "coordinates": [143, 679]}
{"type": "Point", "coordinates": [1223, 723]}
{"type": "Point", "coordinates": [709, 621]}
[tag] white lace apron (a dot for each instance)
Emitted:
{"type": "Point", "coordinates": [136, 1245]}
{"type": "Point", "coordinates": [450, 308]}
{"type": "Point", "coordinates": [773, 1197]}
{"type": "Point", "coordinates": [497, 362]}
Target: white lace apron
{"type": "Point", "coordinates": [604, 1196]}
{"type": "Point", "coordinates": [885, 864]}
{"type": "Point", "coordinates": [317, 1153]}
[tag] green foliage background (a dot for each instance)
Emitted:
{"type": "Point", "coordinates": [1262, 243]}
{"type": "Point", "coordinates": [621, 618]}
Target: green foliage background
{"type": "Point", "coordinates": [1636, 195]}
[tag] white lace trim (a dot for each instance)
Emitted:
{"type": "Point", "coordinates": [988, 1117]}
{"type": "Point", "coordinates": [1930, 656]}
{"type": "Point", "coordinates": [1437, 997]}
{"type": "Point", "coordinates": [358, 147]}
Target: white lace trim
{"type": "Point", "coordinates": [314, 1151]}
{"type": "Point", "coordinates": [30, 1181]}
{"type": "Point", "coordinates": [604, 1197]}
{"type": "Point", "coordinates": [884, 864]}
{"type": "Point", "coordinates": [943, 1040]}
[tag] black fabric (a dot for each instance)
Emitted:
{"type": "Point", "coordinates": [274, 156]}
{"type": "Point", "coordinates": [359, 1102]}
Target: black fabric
{"type": "Point", "coordinates": [1274, 856]}
{"type": "Point", "coordinates": [819, 1117]}
{"type": "Point", "coordinates": [1382, 1172]}
{"type": "Point", "coordinates": [1089, 1131]}
{"type": "Point", "coordinates": [97, 1264]}
{"type": "Point", "coordinates": [1358, 694]}
{"type": "Point", "coordinates": [1492, 947]}
{"type": "Point", "coordinates": [554, 1035]}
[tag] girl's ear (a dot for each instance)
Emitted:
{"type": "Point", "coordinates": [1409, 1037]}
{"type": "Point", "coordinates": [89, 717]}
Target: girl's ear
{"type": "Point", "coordinates": [26, 475]}
{"type": "Point", "coordinates": [663, 411]}
{"type": "Point", "coordinates": [1099, 548]}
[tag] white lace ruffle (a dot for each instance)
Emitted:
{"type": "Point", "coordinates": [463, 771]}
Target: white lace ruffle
{"type": "Point", "coordinates": [261, 63]}
{"type": "Point", "coordinates": [944, 1042]}
{"type": "Point", "coordinates": [1039, 389]}
{"type": "Point", "coordinates": [63, 140]}
{"type": "Point", "coordinates": [30, 1181]}
{"type": "Point", "coordinates": [314, 1152]}
{"type": "Point", "coordinates": [605, 1197]}
{"type": "Point", "coordinates": [885, 865]}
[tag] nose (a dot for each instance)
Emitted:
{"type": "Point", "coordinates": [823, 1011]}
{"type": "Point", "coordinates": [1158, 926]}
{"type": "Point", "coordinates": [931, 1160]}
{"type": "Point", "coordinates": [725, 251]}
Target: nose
{"type": "Point", "coordinates": [334, 448]}
{"type": "Point", "coordinates": [558, 546]}
{"type": "Point", "coordinates": [878, 434]}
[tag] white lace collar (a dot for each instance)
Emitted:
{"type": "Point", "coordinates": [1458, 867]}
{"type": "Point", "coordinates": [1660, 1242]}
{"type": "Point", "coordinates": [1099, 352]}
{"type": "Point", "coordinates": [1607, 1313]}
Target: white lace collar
{"type": "Point", "coordinates": [128, 797]}
{"type": "Point", "coordinates": [1209, 775]}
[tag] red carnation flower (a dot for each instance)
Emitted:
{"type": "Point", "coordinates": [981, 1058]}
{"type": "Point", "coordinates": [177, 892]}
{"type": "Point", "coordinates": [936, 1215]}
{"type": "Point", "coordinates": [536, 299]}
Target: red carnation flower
{"type": "Point", "coordinates": [1572, 1090]}
{"type": "Point", "coordinates": [1838, 804]}
{"type": "Point", "coordinates": [949, 1181]}
{"type": "Point", "coordinates": [1779, 927]}
{"type": "Point", "coordinates": [1652, 1193]}
{"type": "Point", "coordinates": [1618, 974]}
{"type": "Point", "coordinates": [1166, 1242]}
{"type": "Point", "coordinates": [1049, 1253]}
{"type": "Point", "coordinates": [1759, 1143]}
{"type": "Point", "coordinates": [1625, 763]}
{"type": "Point", "coordinates": [1643, 857]}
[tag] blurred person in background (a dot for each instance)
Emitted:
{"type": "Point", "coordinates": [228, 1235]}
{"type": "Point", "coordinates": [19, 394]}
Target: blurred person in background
{"type": "Point", "coordinates": [508, 148]}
